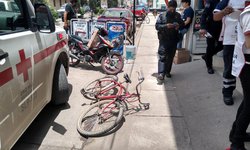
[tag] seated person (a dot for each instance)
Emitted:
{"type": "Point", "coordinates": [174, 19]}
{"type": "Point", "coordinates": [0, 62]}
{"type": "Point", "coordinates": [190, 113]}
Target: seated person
{"type": "Point", "coordinates": [187, 17]}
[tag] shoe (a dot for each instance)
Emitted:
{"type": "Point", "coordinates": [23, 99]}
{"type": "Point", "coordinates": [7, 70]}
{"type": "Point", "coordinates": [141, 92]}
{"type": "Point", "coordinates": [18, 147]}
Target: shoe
{"type": "Point", "coordinates": [228, 100]}
{"type": "Point", "coordinates": [246, 138]}
{"type": "Point", "coordinates": [210, 70]}
{"type": "Point", "coordinates": [168, 75]}
{"type": "Point", "coordinates": [160, 77]}
{"type": "Point", "coordinates": [235, 148]}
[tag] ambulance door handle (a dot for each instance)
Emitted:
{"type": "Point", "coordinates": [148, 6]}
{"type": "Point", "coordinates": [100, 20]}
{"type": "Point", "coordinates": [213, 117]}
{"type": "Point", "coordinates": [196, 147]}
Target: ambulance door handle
{"type": "Point", "coordinates": [3, 55]}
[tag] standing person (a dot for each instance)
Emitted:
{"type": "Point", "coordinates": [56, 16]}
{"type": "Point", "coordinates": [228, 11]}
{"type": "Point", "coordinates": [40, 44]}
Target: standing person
{"type": "Point", "coordinates": [187, 17]}
{"type": "Point", "coordinates": [69, 13]}
{"type": "Point", "coordinates": [167, 25]}
{"type": "Point", "coordinates": [229, 11]}
{"type": "Point", "coordinates": [211, 30]}
{"type": "Point", "coordinates": [155, 13]}
{"type": "Point", "coordinates": [238, 133]}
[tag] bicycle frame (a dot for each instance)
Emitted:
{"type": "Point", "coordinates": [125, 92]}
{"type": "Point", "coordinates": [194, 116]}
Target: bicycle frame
{"type": "Point", "coordinates": [119, 96]}
{"type": "Point", "coordinates": [112, 85]}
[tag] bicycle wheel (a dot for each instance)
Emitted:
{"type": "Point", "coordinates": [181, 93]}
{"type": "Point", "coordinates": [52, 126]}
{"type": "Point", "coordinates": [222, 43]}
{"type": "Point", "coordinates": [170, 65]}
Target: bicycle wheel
{"type": "Point", "coordinates": [147, 20]}
{"type": "Point", "coordinates": [94, 87]}
{"type": "Point", "coordinates": [100, 118]}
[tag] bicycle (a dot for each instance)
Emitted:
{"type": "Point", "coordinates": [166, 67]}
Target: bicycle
{"type": "Point", "coordinates": [107, 113]}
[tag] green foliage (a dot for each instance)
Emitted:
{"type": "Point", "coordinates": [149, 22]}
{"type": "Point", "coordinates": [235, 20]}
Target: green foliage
{"type": "Point", "coordinates": [54, 12]}
{"type": "Point", "coordinates": [52, 8]}
{"type": "Point", "coordinates": [93, 4]}
{"type": "Point", "coordinates": [98, 10]}
{"type": "Point", "coordinates": [83, 2]}
{"type": "Point", "coordinates": [112, 3]}
{"type": "Point", "coordinates": [101, 10]}
{"type": "Point", "coordinates": [81, 11]}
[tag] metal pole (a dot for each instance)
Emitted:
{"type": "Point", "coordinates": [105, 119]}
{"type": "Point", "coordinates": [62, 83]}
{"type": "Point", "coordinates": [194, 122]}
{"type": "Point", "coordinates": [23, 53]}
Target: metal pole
{"type": "Point", "coordinates": [134, 27]}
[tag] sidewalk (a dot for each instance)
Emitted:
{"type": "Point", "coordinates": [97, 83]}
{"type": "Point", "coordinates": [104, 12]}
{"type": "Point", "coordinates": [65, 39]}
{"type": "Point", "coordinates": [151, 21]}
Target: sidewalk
{"type": "Point", "coordinates": [186, 112]}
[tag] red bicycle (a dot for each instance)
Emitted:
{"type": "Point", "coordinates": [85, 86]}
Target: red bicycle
{"type": "Point", "coordinates": [109, 109]}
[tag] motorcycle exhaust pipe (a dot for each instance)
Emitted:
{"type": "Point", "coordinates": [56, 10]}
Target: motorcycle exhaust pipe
{"type": "Point", "coordinates": [74, 56]}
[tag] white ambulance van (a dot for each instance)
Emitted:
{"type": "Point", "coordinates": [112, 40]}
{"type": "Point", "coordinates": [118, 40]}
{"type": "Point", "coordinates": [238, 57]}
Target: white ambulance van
{"type": "Point", "coordinates": [33, 66]}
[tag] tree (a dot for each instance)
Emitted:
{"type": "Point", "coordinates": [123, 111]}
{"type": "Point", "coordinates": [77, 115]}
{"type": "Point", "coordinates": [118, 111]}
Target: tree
{"type": "Point", "coordinates": [52, 9]}
{"type": "Point", "coordinates": [112, 3]}
{"type": "Point", "coordinates": [93, 4]}
{"type": "Point", "coordinates": [84, 2]}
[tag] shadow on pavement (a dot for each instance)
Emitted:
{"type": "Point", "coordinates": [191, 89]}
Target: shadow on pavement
{"type": "Point", "coordinates": [36, 132]}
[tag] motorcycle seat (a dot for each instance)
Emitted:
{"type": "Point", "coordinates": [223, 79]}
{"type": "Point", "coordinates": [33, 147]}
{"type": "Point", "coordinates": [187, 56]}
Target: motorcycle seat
{"type": "Point", "coordinates": [84, 41]}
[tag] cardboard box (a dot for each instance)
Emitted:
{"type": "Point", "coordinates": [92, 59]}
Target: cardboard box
{"type": "Point", "coordinates": [181, 56]}
{"type": "Point", "coordinates": [93, 40]}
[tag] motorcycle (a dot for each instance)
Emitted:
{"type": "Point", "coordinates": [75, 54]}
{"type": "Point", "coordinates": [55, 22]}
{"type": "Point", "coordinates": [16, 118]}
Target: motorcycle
{"type": "Point", "coordinates": [102, 52]}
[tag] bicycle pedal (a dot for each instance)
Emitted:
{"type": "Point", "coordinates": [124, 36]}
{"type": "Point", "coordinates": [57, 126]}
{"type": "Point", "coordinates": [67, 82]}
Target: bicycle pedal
{"type": "Point", "coordinates": [137, 109]}
{"type": "Point", "coordinates": [93, 102]}
{"type": "Point", "coordinates": [146, 105]}
{"type": "Point", "coordinates": [82, 91]}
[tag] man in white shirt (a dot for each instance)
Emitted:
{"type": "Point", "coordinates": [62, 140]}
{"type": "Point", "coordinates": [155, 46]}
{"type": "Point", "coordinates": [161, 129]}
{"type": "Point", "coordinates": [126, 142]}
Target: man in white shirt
{"type": "Point", "coordinates": [238, 133]}
{"type": "Point", "coordinates": [228, 11]}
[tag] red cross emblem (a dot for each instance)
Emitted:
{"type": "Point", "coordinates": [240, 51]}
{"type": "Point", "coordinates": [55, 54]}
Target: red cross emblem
{"type": "Point", "coordinates": [23, 66]}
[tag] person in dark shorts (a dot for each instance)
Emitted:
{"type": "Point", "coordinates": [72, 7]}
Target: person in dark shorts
{"type": "Point", "coordinates": [187, 17]}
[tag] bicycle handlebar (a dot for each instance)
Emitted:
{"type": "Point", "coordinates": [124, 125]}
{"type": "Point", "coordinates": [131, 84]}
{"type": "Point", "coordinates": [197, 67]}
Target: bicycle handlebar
{"type": "Point", "coordinates": [140, 75]}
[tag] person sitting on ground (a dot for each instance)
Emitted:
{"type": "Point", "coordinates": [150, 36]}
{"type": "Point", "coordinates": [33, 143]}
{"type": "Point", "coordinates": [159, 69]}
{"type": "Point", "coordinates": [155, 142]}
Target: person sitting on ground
{"type": "Point", "coordinates": [187, 17]}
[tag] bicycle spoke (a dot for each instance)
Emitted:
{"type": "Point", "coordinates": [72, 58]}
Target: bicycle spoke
{"type": "Point", "coordinates": [89, 122]}
{"type": "Point", "coordinates": [100, 118]}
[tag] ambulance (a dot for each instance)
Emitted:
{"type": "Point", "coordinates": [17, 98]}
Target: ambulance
{"type": "Point", "coordinates": [33, 66]}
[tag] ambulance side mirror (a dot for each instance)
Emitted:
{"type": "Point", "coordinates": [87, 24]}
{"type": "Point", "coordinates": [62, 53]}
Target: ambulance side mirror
{"type": "Point", "coordinates": [44, 20]}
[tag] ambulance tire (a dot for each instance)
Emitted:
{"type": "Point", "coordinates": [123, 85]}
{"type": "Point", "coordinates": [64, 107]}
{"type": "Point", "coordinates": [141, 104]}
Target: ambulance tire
{"type": "Point", "coordinates": [60, 92]}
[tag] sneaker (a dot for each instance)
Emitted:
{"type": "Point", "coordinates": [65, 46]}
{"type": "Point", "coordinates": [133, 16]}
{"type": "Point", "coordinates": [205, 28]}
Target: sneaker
{"type": "Point", "coordinates": [228, 100]}
{"type": "Point", "coordinates": [237, 147]}
{"type": "Point", "coordinates": [245, 139]}
{"type": "Point", "coordinates": [210, 70]}
{"type": "Point", "coordinates": [233, 148]}
{"type": "Point", "coordinates": [160, 77]}
{"type": "Point", "coordinates": [168, 75]}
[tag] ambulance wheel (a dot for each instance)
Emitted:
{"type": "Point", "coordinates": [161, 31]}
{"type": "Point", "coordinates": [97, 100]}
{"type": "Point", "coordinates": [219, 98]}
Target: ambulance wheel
{"type": "Point", "coordinates": [60, 91]}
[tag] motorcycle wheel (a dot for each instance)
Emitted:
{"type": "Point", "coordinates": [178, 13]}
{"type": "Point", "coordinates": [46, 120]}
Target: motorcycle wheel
{"type": "Point", "coordinates": [112, 64]}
